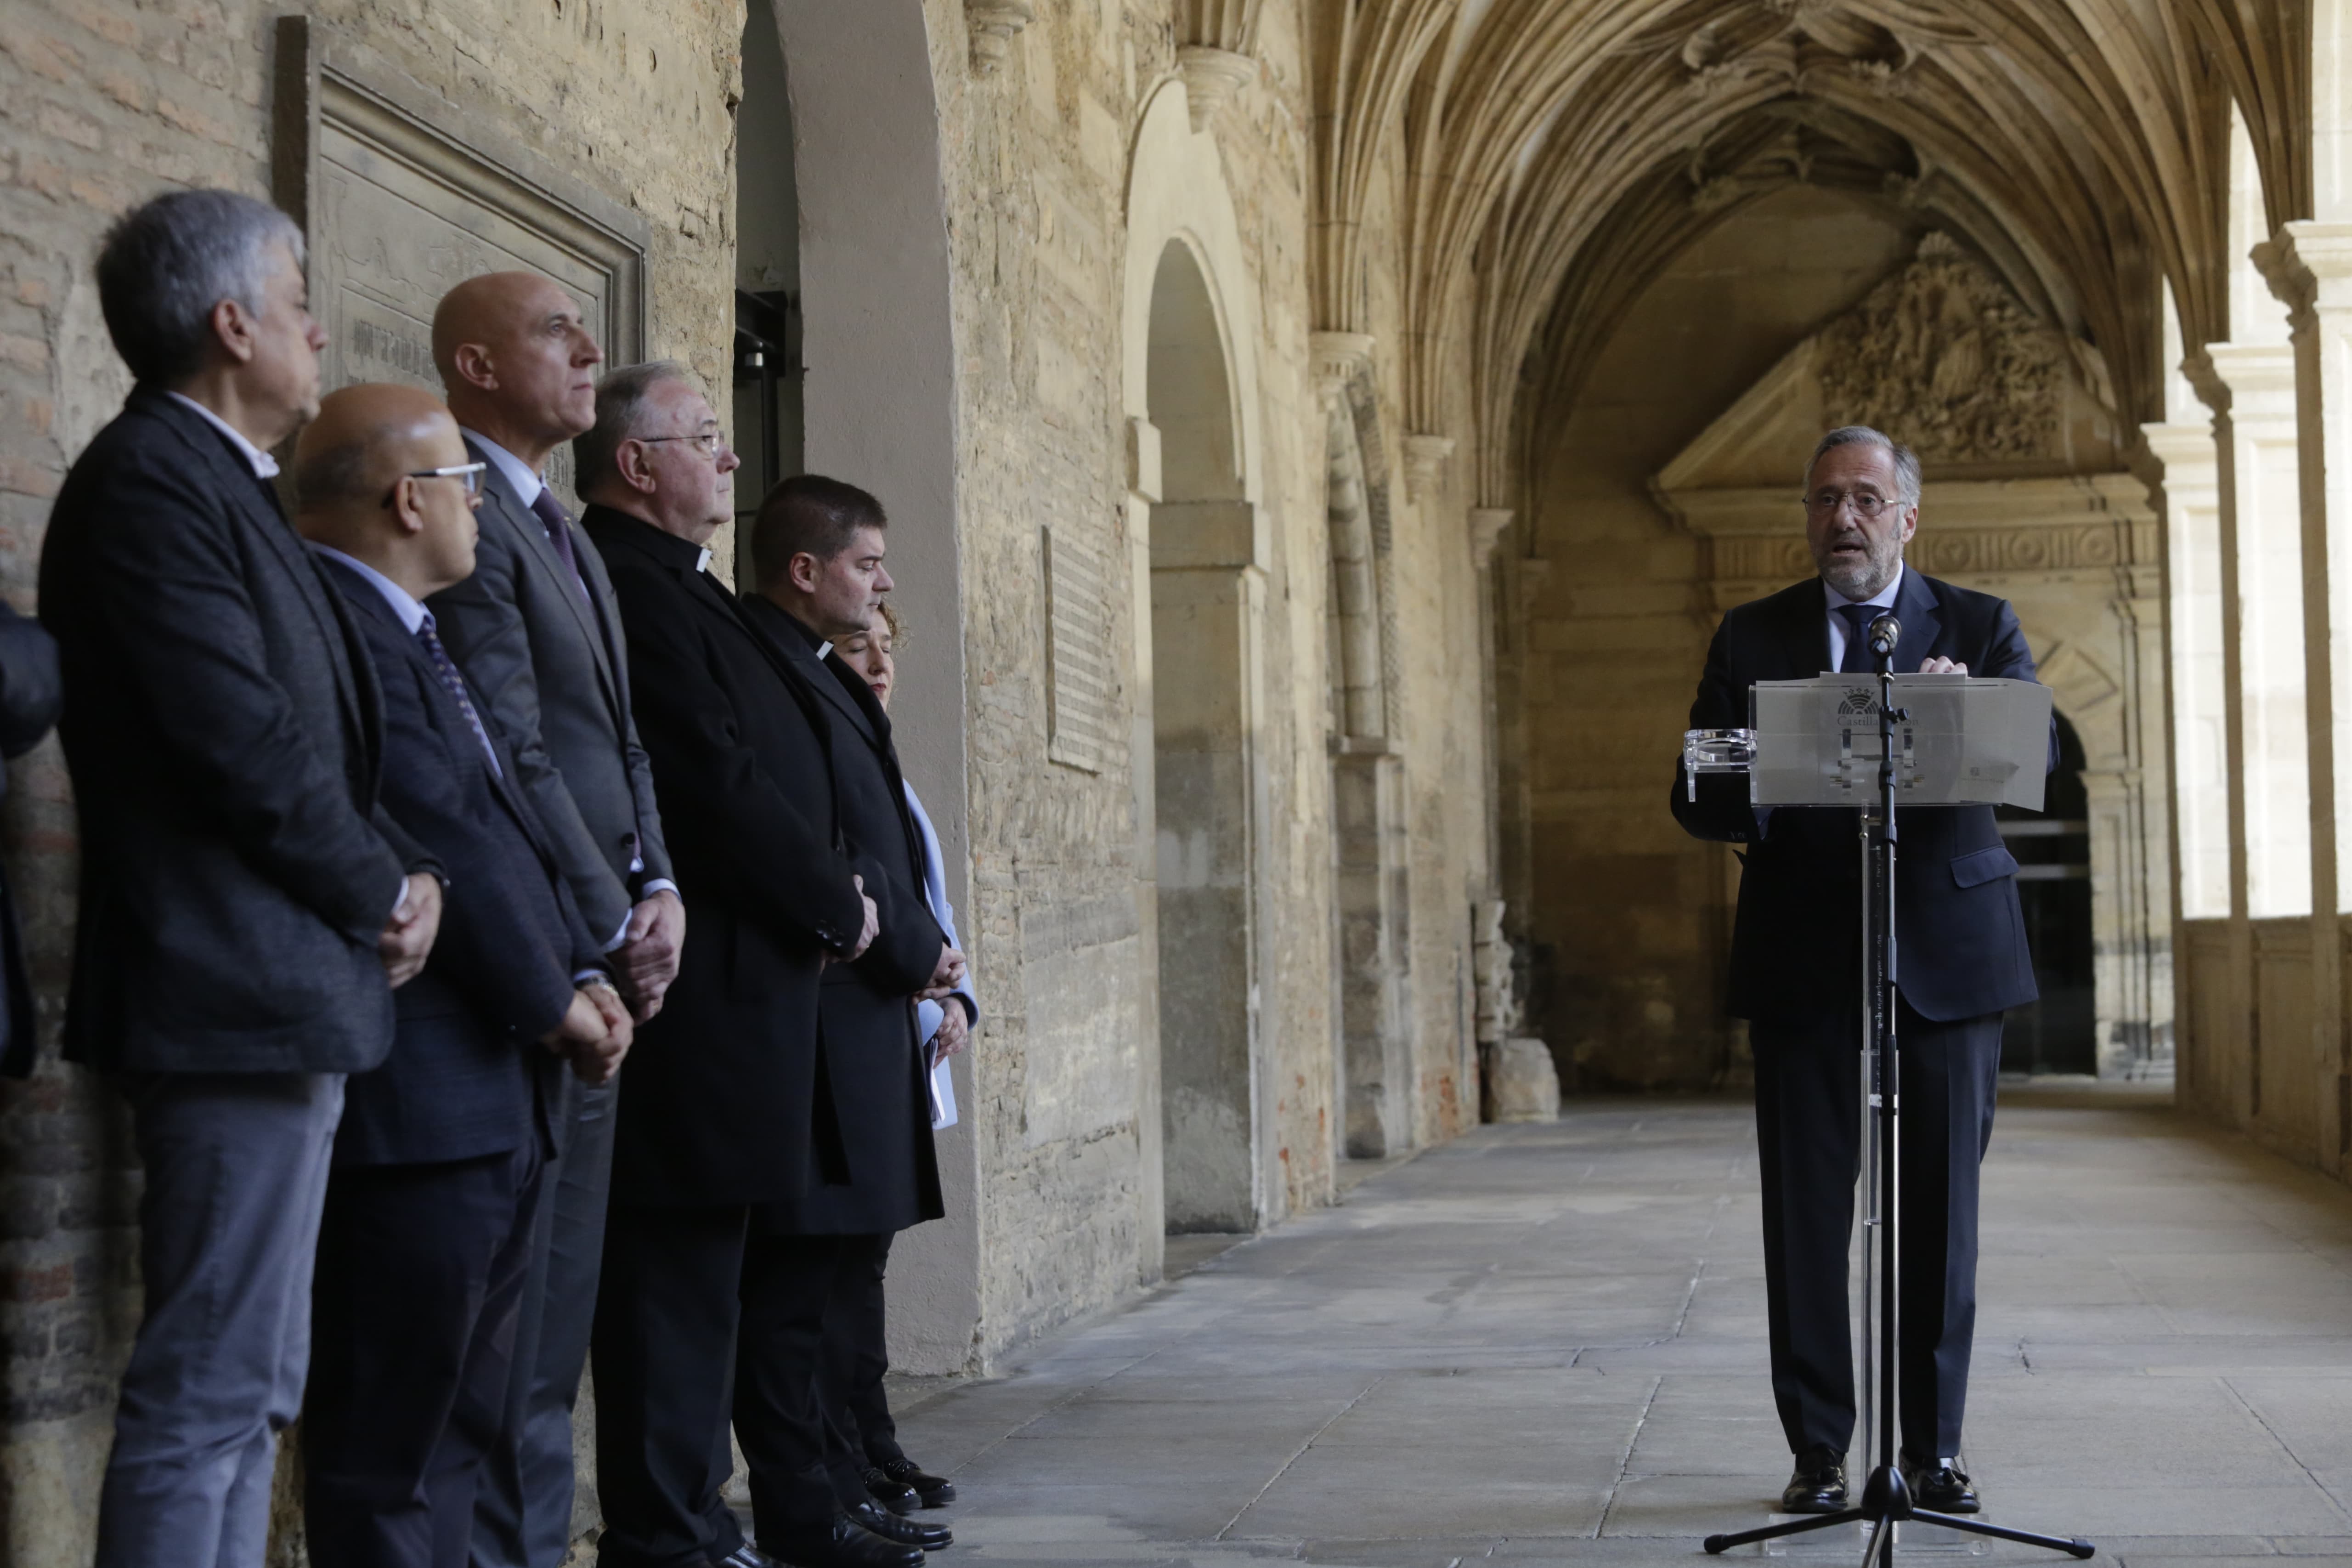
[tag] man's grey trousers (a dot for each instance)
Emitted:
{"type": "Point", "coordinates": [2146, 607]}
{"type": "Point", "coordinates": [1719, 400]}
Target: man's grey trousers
{"type": "Point", "coordinates": [228, 1226]}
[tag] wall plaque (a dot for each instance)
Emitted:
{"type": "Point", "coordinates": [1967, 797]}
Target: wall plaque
{"type": "Point", "coordinates": [1079, 683]}
{"type": "Point", "coordinates": [402, 195]}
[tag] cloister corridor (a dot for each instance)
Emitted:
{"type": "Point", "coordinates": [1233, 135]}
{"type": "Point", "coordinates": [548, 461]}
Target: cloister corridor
{"type": "Point", "coordinates": [1546, 1344]}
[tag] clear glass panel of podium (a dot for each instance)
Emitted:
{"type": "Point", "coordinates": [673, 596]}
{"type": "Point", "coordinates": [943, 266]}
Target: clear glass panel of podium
{"type": "Point", "coordinates": [1962, 741]}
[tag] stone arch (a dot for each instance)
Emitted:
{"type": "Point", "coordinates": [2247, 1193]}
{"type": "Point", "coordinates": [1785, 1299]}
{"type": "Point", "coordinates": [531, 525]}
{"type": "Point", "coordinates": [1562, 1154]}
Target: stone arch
{"type": "Point", "coordinates": [879, 410]}
{"type": "Point", "coordinates": [1200, 553]}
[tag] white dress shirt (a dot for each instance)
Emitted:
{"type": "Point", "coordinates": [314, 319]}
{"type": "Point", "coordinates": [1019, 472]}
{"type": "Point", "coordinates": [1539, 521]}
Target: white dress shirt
{"type": "Point", "coordinates": [265, 467]}
{"type": "Point", "coordinates": [1883, 600]}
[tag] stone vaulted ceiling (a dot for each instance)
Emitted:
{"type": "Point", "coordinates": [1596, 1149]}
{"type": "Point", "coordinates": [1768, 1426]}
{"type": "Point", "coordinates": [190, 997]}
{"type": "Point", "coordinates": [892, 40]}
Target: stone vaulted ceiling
{"type": "Point", "coordinates": [1558, 153]}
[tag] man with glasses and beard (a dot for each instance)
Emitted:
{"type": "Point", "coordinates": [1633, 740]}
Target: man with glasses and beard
{"type": "Point", "coordinates": [1795, 976]}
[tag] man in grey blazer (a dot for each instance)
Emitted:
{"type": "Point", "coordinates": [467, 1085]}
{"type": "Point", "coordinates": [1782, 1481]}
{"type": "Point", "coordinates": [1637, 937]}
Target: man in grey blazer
{"type": "Point", "coordinates": [538, 637]}
{"type": "Point", "coordinates": [244, 900]}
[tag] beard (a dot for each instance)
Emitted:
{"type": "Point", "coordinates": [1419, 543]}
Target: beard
{"type": "Point", "coordinates": [1860, 577]}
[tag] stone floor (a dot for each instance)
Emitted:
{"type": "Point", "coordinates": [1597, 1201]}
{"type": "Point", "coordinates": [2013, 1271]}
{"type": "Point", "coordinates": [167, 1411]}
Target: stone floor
{"type": "Point", "coordinates": [1545, 1345]}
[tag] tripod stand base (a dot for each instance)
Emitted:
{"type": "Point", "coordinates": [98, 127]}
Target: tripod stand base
{"type": "Point", "coordinates": [1885, 1499]}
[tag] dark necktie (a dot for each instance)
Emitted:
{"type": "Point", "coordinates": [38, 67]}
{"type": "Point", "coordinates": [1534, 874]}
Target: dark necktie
{"type": "Point", "coordinates": [1859, 659]}
{"type": "Point", "coordinates": [455, 685]}
{"type": "Point", "coordinates": [558, 523]}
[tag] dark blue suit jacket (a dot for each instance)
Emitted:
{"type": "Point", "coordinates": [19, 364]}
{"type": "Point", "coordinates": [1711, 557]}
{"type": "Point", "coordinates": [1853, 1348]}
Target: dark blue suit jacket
{"type": "Point", "coordinates": [467, 1076]}
{"type": "Point", "coordinates": [220, 724]}
{"type": "Point", "coordinates": [1796, 948]}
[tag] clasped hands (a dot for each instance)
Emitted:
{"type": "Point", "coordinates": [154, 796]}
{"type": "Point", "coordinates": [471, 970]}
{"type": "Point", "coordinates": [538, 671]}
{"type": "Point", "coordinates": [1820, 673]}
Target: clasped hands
{"type": "Point", "coordinates": [596, 1033]}
{"type": "Point", "coordinates": [646, 961]}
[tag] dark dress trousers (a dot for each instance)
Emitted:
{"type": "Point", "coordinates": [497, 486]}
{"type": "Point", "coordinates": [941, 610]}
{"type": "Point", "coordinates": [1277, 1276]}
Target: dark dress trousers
{"type": "Point", "coordinates": [540, 638]}
{"type": "Point", "coordinates": [1796, 960]}
{"type": "Point", "coordinates": [426, 1240]}
{"type": "Point", "coordinates": [722, 1104]}
{"type": "Point", "coordinates": [222, 728]}
{"type": "Point", "coordinates": [30, 695]}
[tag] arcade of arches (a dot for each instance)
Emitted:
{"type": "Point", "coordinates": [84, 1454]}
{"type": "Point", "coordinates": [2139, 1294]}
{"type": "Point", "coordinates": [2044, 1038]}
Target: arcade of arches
{"type": "Point", "coordinates": [1319, 436]}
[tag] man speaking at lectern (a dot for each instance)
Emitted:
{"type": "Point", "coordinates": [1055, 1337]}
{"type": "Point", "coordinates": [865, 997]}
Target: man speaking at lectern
{"type": "Point", "coordinates": [1796, 976]}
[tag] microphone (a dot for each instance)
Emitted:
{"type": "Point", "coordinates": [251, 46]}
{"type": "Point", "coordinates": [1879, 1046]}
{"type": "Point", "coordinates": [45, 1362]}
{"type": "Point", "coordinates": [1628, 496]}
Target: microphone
{"type": "Point", "coordinates": [1884, 632]}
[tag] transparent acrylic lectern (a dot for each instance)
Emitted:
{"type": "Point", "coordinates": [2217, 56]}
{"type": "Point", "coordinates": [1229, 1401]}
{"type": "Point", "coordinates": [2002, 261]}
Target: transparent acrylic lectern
{"type": "Point", "coordinates": [1879, 744]}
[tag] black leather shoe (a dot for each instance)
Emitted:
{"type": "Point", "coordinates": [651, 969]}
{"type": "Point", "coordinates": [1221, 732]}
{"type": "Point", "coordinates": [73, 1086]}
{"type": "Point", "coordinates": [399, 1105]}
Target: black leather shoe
{"type": "Point", "coordinates": [896, 1496]}
{"type": "Point", "coordinates": [1940, 1488]}
{"type": "Point", "coordinates": [937, 1492]}
{"type": "Point", "coordinates": [1818, 1486]}
{"type": "Point", "coordinates": [845, 1544]}
{"type": "Point", "coordinates": [905, 1532]}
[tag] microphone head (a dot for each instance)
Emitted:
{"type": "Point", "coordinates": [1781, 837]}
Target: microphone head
{"type": "Point", "coordinates": [1884, 632]}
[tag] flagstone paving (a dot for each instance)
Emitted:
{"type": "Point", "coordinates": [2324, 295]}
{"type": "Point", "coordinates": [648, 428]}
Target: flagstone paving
{"type": "Point", "coordinates": [1545, 1345]}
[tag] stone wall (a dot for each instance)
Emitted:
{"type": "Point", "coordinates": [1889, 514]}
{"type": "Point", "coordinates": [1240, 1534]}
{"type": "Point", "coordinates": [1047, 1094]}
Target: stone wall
{"type": "Point", "coordinates": [1067, 156]}
{"type": "Point", "coordinates": [107, 102]}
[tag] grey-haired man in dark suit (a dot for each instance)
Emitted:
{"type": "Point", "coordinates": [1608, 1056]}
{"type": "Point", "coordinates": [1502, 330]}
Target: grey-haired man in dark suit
{"type": "Point", "coordinates": [538, 634]}
{"type": "Point", "coordinates": [246, 905]}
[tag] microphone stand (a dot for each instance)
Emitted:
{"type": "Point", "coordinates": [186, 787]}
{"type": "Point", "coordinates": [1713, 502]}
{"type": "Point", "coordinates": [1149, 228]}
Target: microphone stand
{"type": "Point", "coordinates": [1886, 1497]}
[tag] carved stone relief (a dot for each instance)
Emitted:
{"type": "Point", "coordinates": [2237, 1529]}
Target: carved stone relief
{"type": "Point", "coordinates": [1942, 354]}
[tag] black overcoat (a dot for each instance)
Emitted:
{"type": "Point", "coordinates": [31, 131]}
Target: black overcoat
{"type": "Point", "coordinates": [871, 1064]}
{"type": "Point", "coordinates": [721, 1095]}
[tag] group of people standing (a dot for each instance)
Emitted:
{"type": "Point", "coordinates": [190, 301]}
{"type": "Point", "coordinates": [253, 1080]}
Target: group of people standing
{"type": "Point", "coordinates": [394, 804]}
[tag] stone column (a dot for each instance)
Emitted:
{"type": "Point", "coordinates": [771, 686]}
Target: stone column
{"type": "Point", "coordinates": [2251, 387]}
{"type": "Point", "coordinates": [2309, 266]}
{"type": "Point", "coordinates": [1371, 859]}
{"type": "Point", "coordinates": [2189, 477]}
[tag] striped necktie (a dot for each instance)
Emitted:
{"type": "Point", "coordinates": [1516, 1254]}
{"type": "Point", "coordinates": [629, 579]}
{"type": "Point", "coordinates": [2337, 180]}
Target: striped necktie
{"type": "Point", "coordinates": [455, 685]}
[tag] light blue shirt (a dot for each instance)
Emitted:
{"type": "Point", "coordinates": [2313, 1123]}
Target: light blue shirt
{"type": "Point", "coordinates": [929, 1014]}
{"type": "Point", "coordinates": [527, 482]}
{"type": "Point", "coordinates": [412, 616]}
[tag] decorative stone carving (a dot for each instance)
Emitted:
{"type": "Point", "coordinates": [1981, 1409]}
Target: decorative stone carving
{"type": "Point", "coordinates": [1487, 526]}
{"type": "Point", "coordinates": [1766, 42]}
{"type": "Point", "coordinates": [1490, 958]}
{"type": "Point", "coordinates": [1424, 463]}
{"type": "Point", "coordinates": [1212, 76]}
{"type": "Point", "coordinates": [1942, 354]}
{"type": "Point", "coordinates": [1339, 358]}
{"type": "Point", "coordinates": [994, 24]}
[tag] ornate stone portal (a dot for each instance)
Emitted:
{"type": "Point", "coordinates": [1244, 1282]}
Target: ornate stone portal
{"type": "Point", "coordinates": [2025, 496]}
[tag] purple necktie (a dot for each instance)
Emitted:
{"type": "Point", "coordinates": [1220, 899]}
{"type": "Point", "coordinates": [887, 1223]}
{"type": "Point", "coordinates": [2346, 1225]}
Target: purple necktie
{"type": "Point", "coordinates": [455, 685]}
{"type": "Point", "coordinates": [558, 523]}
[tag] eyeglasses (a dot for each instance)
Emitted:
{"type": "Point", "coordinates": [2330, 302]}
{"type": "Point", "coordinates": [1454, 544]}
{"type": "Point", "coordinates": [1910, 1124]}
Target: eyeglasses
{"type": "Point", "coordinates": [469, 472]}
{"type": "Point", "coordinates": [711, 442]}
{"type": "Point", "coordinates": [1865, 505]}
